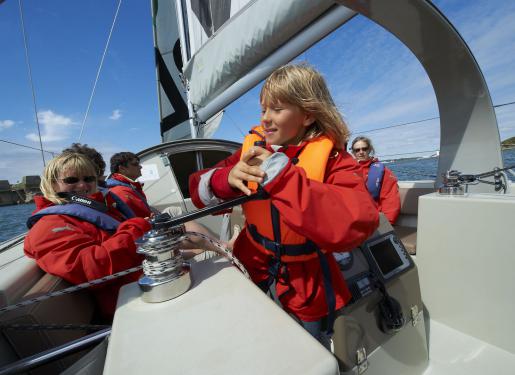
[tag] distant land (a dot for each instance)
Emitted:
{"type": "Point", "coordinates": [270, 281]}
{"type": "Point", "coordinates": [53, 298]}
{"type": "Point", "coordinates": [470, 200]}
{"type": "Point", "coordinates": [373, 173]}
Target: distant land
{"type": "Point", "coordinates": [508, 143]}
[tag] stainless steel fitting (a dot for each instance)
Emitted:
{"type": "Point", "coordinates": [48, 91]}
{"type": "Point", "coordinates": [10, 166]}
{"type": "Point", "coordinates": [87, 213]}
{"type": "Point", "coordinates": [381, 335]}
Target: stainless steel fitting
{"type": "Point", "coordinates": [165, 274]}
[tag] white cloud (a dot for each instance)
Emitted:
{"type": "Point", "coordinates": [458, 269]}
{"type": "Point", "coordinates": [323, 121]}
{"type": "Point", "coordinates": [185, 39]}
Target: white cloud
{"type": "Point", "coordinates": [4, 124]}
{"type": "Point", "coordinates": [55, 127]}
{"type": "Point", "coordinates": [117, 113]}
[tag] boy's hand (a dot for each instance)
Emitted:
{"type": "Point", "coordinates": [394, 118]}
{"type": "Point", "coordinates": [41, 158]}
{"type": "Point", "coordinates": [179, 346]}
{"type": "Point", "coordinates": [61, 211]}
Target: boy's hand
{"type": "Point", "coordinates": [247, 169]}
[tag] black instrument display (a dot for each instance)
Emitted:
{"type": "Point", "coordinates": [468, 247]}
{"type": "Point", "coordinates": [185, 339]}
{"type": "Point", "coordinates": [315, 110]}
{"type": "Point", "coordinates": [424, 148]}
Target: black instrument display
{"type": "Point", "coordinates": [387, 256]}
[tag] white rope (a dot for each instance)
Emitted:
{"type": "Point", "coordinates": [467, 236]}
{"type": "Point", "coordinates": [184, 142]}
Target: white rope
{"type": "Point", "coordinates": [25, 44]}
{"type": "Point", "coordinates": [99, 69]}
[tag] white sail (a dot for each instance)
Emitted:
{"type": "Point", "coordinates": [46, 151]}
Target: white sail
{"type": "Point", "coordinates": [208, 129]}
{"type": "Point", "coordinates": [221, 42]}
{"type": "Point", "coordinates": [261, 27]}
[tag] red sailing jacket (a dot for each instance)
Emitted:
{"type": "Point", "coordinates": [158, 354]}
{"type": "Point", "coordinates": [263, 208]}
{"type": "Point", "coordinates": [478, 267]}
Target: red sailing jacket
{"type": "Point", "coordinates": [78, 251]}
{"type": "Point", "coordinates": [337, 215]}
{"type": "Point", "coordinates": [389, 198]}
{"type": "Point", "coordinates": [134, 199]}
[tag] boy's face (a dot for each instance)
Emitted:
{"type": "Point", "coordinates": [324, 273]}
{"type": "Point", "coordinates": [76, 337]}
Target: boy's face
{"type": "Point", "coordinates": [284, 123]}
{"type": "Point", "coordinates": [132, 170]}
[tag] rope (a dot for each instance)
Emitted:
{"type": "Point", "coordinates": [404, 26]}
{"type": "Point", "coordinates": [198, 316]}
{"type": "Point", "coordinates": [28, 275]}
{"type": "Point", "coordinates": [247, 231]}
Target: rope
{"type": "Point", "coordinates": [33, 148]}
{"type": "Point", "coordinates": [99, 69]}
{"type": "Point", "coordinates": [72, 289]}
{"type": "Point", "coordinates": [25, 44]}
{"type": "Point", "coordinates": [219, 248]}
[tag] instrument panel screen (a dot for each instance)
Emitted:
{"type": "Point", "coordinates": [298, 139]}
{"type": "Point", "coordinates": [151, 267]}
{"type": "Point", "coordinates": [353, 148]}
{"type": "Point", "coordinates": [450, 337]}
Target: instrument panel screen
{"type": "Point", "coordinates": [386, 256]}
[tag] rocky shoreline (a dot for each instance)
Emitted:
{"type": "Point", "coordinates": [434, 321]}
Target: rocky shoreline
{"type": "Point", "coordinates": [19, 193]}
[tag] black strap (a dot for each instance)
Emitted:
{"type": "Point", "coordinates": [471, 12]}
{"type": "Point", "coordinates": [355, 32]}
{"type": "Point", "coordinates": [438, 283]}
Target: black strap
{"type": "Point", "coordinates": [276, 267]}
{"type": "Point", "coordinates": [329, 292]}
{"type": "Point", "coordinates": [276, 224]}
{"type": "Point", "coordinates": [277, 248]}
{"type": "Point", "coordinates": [295, 159]}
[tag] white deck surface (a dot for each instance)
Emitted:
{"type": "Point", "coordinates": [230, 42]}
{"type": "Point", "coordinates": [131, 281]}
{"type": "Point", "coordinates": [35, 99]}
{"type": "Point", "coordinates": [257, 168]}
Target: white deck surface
{"type": "Point", "coordinates": [453, 352]}
{"type": "Point", "coordinates": [223, 325]}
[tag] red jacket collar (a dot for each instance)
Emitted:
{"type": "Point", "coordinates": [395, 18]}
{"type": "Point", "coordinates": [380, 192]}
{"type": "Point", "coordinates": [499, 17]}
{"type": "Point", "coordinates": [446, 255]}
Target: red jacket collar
{"type": "Point", "coordinates": [127, 180]}
{"type": "Point", "coordinates": [367, 163]}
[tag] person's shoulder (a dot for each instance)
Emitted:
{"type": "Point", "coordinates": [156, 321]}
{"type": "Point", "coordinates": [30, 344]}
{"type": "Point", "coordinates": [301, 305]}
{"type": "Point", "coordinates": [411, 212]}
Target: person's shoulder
{"type": "Point", "coordinates": [342, 157]}
{"type": "Point", "coordinates": [53, 226]}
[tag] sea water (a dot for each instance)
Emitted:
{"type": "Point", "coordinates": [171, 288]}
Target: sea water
{"type": "Point", "coordinates": [425, 169]}
{"type": "Point", "coordinates": [13, 218]}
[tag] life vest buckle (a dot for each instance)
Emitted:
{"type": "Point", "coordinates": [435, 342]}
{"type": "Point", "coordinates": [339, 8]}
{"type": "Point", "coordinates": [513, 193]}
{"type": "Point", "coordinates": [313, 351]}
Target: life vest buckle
{"type": "Point", "coordinates": [277, 248]}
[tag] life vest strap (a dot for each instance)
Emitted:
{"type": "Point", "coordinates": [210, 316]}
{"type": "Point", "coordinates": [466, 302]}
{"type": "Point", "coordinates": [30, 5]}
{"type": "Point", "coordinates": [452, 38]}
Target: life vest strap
{"type": "Point", "coordinates": [279, 249]}
{"type": "Point", "coordinates": [330, 297]}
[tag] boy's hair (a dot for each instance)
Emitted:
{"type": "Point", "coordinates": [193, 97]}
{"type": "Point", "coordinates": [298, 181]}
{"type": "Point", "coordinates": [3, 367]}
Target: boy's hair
{"type": "Point", "coordinates": [121, 159]}
{"type": "Point", "coordinates": [76, 162]}
{"type": "Point", "coordinates": [304, 87]}
{"type": "Point", "coordinates": [91, 153]}
{"type": "Point", "coordinates": [367, 140]}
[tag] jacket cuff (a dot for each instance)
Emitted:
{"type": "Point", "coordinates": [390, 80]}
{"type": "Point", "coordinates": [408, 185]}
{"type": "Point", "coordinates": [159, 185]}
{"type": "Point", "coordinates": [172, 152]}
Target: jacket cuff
{"type": "Point", "coordinates": [205, 192]}
{"type": "Point", "coordinates": [220, 185]}
{"type": "Point", "coordinates": [273, 166]}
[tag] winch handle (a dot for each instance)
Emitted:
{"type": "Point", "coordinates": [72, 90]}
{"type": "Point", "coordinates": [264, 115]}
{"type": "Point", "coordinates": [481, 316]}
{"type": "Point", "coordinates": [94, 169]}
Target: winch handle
{"type": "Point", "coordinates": [161, 221]}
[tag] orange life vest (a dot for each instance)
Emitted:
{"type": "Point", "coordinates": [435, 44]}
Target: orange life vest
{"type": "Point", "coordinates": [313, 160]}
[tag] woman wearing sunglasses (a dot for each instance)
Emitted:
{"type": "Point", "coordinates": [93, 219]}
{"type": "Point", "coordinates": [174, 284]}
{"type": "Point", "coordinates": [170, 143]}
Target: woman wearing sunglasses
{"type": "Point", "coordinates": [77, 234]}
{"type": "Point", "coordinates": [381, 182]}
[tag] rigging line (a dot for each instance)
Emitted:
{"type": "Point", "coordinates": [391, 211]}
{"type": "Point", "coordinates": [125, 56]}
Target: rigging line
{"type": "Point", "coordinates": [395, 126]}
{"type": "Point", "coordinates": [33, 148]}
{"type": "Point", "coordinates": [408, 153]}
{"type": "Point", "coordinates": [234, 123]}
{"type": "Point", "coordinates": [419, 121]}
{"type": "Point", "coordinates": [25, 44]}
{"type": "Point", "coordinates": [99, 69]}
{"type": "Point", "coordinates": [503, 104]}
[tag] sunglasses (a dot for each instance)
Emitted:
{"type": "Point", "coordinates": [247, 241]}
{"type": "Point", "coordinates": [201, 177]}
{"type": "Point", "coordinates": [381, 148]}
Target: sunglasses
{"type": "Point", "coordinates": [74, 180]}
{"type": "Point", "coordinates": [365, 149]}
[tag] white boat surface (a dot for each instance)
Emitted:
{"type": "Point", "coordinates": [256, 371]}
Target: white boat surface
{"type": "Point", "coordinates": [454, 287]}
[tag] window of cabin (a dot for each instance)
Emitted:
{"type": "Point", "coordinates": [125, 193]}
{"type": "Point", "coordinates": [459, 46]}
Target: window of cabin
{"type": "Point", "coordinates": [184, 164]}
{"type": "Point", "coordinates": [212, 157]}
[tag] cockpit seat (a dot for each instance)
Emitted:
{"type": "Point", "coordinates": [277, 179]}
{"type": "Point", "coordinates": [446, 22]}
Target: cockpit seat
{"type": "Point", "coordinates": [75, 308]}
{"type": "Point", "coordinates": [408, 237]}
{"type": "Point", "coordinates": [406, 224]}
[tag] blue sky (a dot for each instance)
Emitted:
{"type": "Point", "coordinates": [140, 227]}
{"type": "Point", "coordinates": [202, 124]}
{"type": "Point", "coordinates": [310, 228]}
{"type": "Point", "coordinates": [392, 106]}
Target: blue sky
{"type": "Point", "coordinates": [374, 79]}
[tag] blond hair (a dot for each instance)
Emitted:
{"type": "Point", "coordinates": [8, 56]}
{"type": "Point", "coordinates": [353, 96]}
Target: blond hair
{"type": "Point", "coordinates": [302, 86]}
{"type": "Point", "coordinates": [71, 161]}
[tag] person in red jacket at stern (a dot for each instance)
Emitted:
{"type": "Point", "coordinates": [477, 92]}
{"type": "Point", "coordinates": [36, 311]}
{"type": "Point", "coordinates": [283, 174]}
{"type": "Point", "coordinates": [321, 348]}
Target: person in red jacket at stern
{"type": "Point", "coordinates": [125, 169]}
{"type": "Point", "coordinates": [381, 182]}
{"type": "Point", "coordinates": [75, 234]}
{"type": "Point", "coordinates": [317, 203]}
